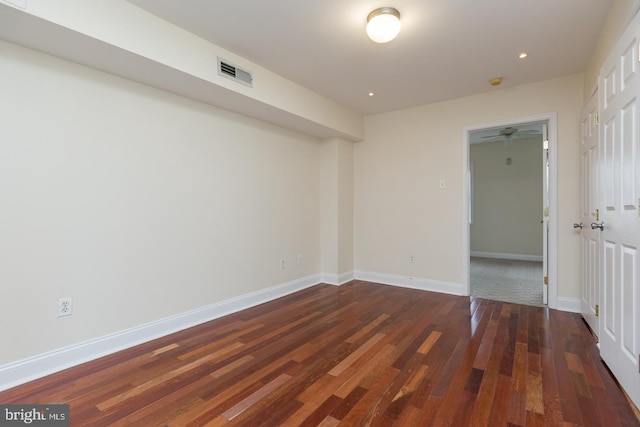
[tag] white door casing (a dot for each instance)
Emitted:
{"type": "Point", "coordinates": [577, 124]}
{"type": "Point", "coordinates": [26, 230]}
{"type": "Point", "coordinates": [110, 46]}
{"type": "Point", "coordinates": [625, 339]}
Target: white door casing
{"type": "Point", "coordinates": [589, 238]}
{"type": "Point", "coordinates": [618, 199]}
{"type": "Point", "coordinates": [552, 254]}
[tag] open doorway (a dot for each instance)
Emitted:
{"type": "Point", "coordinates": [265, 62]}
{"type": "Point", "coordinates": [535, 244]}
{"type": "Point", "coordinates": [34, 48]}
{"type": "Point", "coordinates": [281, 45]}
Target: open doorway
{"type": "Point", "coordinates": [510, 186]}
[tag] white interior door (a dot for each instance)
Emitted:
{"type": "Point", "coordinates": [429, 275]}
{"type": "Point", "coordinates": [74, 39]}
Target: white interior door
{"type": "Point", "coordinates": [619, 187]}
{"type": "Point", "coordinates": [545, 214]}
{"type": "Point", "coordinates": [589, 238]}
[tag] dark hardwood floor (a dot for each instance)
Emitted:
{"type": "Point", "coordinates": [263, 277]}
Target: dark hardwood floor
{"type": "Point", "coordinates": [358, 354]}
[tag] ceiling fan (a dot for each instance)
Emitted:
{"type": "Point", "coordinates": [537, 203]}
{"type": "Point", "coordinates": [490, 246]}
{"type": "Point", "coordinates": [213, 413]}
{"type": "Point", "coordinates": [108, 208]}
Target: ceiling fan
{"type": "Point", "coordinates": [509, 133]}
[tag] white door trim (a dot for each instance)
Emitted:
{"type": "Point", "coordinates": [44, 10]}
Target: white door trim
{"type": "Point", "coordinates": [551, 119]}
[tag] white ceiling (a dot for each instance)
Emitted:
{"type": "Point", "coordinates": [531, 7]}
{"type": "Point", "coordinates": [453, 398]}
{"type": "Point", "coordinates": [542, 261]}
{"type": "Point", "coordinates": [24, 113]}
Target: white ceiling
{"type": "Point", "coordinates": [446, 49]}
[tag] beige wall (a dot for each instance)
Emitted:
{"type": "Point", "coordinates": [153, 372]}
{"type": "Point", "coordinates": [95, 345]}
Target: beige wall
{"type": "Point", "coordinates": [345, 200]}
{"type": "Point", "coordinates": [138, 203]}
{"type": "Point", "coordinates": [399, 207]}
{"type": "Point", "coordinates": [507, 197]}
{"type": "Point", "coordinates": [337, 209]}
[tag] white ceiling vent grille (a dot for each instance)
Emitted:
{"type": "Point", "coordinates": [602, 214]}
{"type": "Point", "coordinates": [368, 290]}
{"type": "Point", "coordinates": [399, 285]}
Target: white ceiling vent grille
{"type": "Point", "coordinates": [226, 69]}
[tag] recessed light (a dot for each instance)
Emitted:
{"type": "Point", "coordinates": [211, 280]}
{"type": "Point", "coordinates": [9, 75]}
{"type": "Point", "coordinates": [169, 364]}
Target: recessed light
{"type": "Point", "coordinates": [523, 55]}
{"type": "Point", "coordinates": [371, 93]}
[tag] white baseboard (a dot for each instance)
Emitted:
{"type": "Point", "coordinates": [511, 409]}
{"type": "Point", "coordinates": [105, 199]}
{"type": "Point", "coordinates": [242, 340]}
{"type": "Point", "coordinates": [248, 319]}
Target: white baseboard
{"type": "Point", "coordinates": [337, 279]}
{"type": "Point", "coordinates": [20, 372]}
{"type": "Point", "coordinates": [516, 257]}
{"type": "Point", "coordinates": [411, 282]}
{"type": "Point", "coordinates": [571, 305]}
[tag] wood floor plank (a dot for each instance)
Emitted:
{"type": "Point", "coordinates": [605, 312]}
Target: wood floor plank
{"type": "Point", "coordinates": [502, 401]}
{"type": "Point", "coordinates": [429, 342]}
{"type": "Point", "coordinates": [358, 354]}
{"type": "Point", "coordinates": [423, 392]}
{"type": "Point", "coordinates": [451, 368]}
{"type": "Point", "coordinates": [219, 346]}
{"type": "Point", "coordinates": [459, 378]}
{"type": "Point", "coordinates": [520, 368]}
{"type": "Point", "coordinates": [367, 409]}
{"type": "Point", "coordinates": [550, 393]}
{"type": "Point", "coordinates": [365, 330]}
{"type": "Point", "coordinates": [240, 407]}
{"type": "Point", "coordinates": [533, 343]}
{"type": "Point", "coordinates": [349, 360]}
{"type": "Point", "coordinates": [409, 387]}
{"type": "Point", "coordinates": [464, 411]}
{"type": "Point", "coordinates": [409, 417]}
{"type": "Point", "coordinates": [486, 394]}
{"type": "Point", "coordinates": [429, 411]}
{"type": "Point", "coordinates": [508, 354]}
{"type": "Point", "coordinates": [568, 400]}
{"type": "Point", "coordinates": [155, 382]}
{"type": "Point", "coordinates": [210, 410]}
{"type": "Point", "coordinates": [329, 421]}
{"type": "Point", "coordinates": [366, 372]}
{"type": "Point", "coordinates": [534, 391]}
{"type": "Point", "coordinates": [315, 396]}
{"type": "Point", "coordinates": [517, 408]}
{"type": "Point", "coordinates": [322, 412]}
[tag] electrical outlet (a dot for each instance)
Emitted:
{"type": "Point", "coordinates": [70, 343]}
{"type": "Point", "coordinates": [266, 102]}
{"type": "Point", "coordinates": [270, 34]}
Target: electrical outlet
{"type": "Point", "coordinates": [299, 260]}
{"type": "Point", "coordinates": [412, 258]}
{"type": "Point", "coordinates": [282, 263]}
{"type": "Point", "coordinates": [65, 306]}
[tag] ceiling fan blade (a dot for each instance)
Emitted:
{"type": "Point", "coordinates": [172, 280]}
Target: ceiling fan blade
{"type": "Point", "coordinates": [530, 132]}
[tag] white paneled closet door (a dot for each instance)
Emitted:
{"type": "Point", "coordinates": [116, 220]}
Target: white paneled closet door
{"type": "Point", "coordinates": [589, 238]}
{"type": "Point", "coordinates": [619, 202]}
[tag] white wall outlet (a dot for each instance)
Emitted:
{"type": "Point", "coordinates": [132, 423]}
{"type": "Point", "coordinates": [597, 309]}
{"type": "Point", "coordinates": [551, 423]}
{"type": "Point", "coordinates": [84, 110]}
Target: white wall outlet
{"type": "Point", "coordinates": [412, 258]}
{"type": "Point", "coordinates": [299, 259]}
{"type": "Point", "coordinates": [282, 264]}
{"type": "Point", "coordinates": [65, 306]}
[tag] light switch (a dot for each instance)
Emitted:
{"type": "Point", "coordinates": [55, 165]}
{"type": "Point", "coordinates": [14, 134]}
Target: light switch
{"type": "Point", "coordinates": [443, 184]}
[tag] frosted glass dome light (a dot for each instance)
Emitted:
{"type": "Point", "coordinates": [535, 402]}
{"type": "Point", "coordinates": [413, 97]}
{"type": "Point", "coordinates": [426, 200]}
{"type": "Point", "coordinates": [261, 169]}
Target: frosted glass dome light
{"type": "Point", "coordinates": [383, 24]}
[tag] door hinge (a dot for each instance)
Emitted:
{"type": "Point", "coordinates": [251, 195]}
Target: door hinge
{"type": "Point", "coordinates": [597, 119]}
{"type": "Point", "coordinates": [597, 310]}
{"type": "Point", "coordinates": [546, 280]}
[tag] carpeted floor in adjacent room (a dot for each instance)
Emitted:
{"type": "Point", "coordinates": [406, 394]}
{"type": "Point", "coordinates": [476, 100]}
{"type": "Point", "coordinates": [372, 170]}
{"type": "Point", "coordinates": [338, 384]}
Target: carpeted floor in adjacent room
{"type": "Point", "coordinates": [507, 280]}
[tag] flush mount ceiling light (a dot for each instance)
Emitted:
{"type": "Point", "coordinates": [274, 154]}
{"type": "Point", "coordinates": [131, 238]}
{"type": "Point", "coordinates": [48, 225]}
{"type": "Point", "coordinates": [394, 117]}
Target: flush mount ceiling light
{"type": "Point", "coordinates": [383, 24]}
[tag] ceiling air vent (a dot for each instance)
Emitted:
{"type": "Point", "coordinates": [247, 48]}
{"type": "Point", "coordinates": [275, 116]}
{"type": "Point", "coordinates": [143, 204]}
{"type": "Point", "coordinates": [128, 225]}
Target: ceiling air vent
{"type": "Point", "coordinates": [232, 72]}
